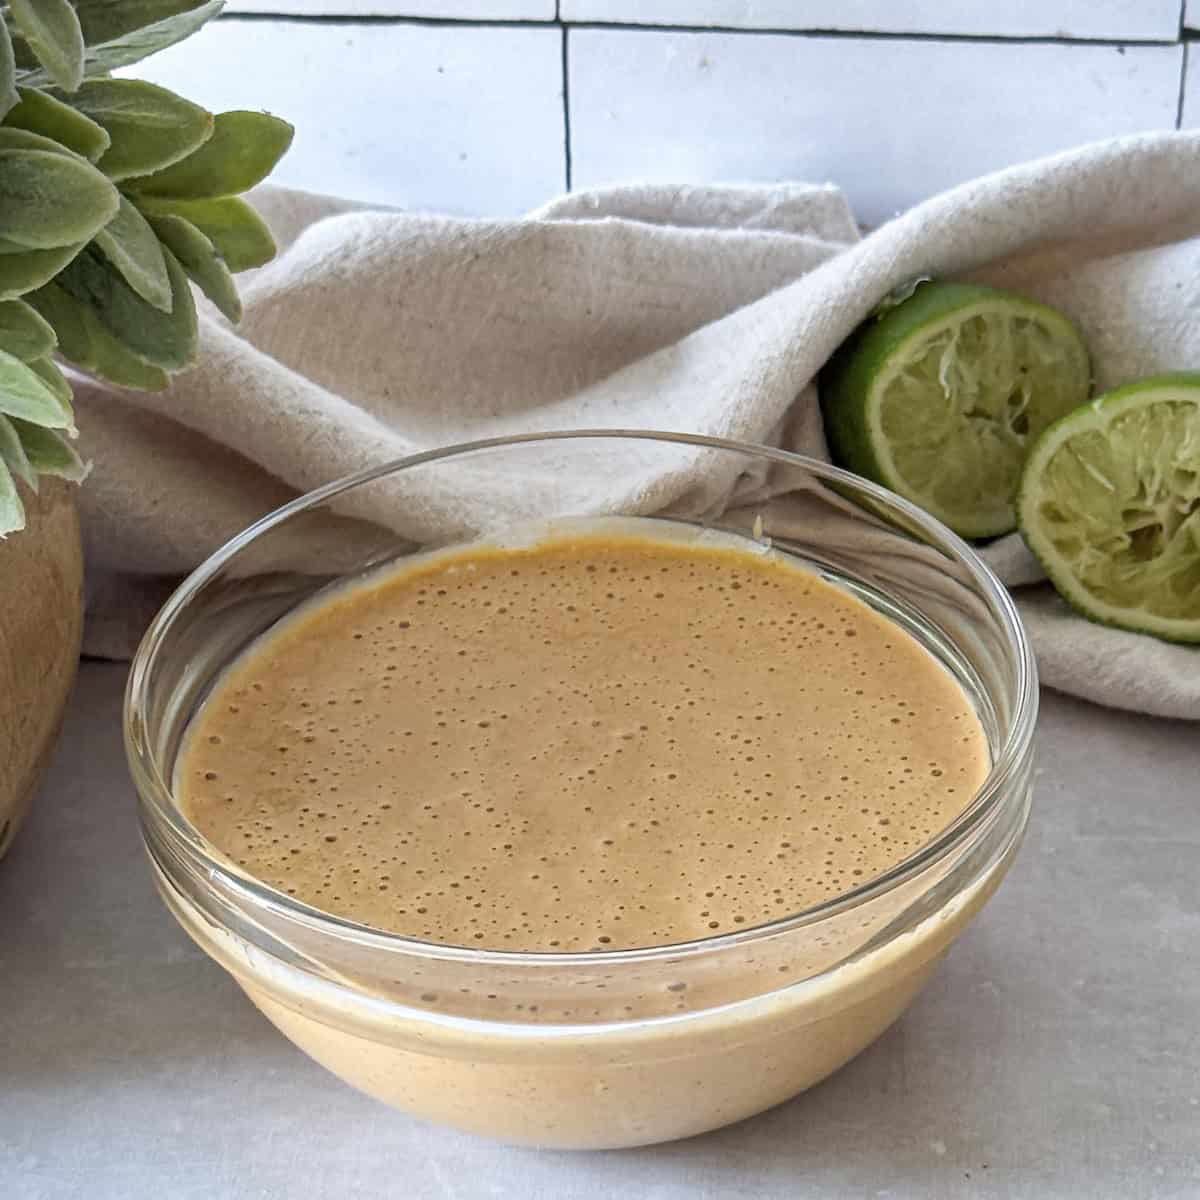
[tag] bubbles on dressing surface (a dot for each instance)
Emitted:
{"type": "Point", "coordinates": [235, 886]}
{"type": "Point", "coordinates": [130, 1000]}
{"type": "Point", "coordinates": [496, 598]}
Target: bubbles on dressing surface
{"type": "Point", "coordinates": [593, 744]}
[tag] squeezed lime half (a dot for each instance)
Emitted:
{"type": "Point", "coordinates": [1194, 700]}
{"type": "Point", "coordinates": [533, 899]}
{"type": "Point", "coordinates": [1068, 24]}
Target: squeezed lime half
{"type": "Point", "coordinates": [939, 397]}
{"type": "Point", "coordinates": [1109, 503]}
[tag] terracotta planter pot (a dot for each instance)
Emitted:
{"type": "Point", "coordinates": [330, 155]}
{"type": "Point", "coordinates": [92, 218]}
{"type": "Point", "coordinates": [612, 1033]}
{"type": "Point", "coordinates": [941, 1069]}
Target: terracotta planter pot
{"type": "Point", "coordinates": [41, 613]}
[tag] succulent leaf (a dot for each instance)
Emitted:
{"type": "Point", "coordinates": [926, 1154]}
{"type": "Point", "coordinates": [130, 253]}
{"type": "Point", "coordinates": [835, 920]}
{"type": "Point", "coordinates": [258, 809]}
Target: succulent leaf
{"type": "Point", "coordinates": [13, 454]}
{"type": "Point", "coordinates": [8, 71]}
{"type": "Point", "coordinates": [51, 199]}
{"type": "Point", "coordinates": [24, 394]}
{"type": "Point", "coordinates": [131, 246]}
{"type": "Point", "coordinates": [40, 113]}
{"type": "Point", "coordinates": [108, 49]}
{"type": "Point", "coordinates": [204, 266]}
{"type": "Point", "coordinates": [104, 21]}
{"type": "Point", "coordinates": [243, 151]}
{"type": "Point", "coordinates": [166, 340]}
{"type": "Point", "coordinates": [13, 138]}
{"type": "Point", "coordinates": [53, 378]}
{"type": "Point", "coordinates": [126, 49]}
{"type": "Point", "coordinates": [23, 272]}
{"type": "Point", "coordinates": [88, 344]}
{"type": "Point", "coordinates": [69, 319]}
{"type": "Point", "coordinates": [23, 332]}
{"type": "Point", "coordinates": [49, 453]}
{"type": "Point", "coordinates": [51, 29]}
{"type": "Point", "coordinates": [149, 126]}
{"type": "Point", "coordinates": [12, 511]}
{"type": "Point", "coordinates": [239, 234]}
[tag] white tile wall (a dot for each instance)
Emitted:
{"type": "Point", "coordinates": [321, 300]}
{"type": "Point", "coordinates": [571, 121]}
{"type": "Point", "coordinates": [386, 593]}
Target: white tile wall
{"type": "Point", "coordinates": [462, 119]}
{"type": "Point", "coordinates": [1191, 13]}
{"type": "Point", "coordinates": [450, 10]}
{"type": "Point", "coordinates": [468, 118]}
{"type": "Point", "coordinates": [892, 120]}
{"type": "Point", "coordinates": [1152, 20]}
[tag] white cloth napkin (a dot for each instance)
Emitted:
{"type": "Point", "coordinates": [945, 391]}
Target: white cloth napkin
{"type": "Point", "coordinates": [701, 309]}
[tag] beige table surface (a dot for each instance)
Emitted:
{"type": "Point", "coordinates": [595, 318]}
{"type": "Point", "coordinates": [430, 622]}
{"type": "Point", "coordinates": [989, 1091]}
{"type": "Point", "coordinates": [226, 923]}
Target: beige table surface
{"type": "Point", "coordinates": [1056, 1052]}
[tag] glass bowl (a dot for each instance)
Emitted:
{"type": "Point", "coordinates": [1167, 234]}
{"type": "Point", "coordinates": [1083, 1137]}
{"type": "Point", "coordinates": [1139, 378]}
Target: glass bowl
{"type": "Point", "coordinates": [597, 1049]}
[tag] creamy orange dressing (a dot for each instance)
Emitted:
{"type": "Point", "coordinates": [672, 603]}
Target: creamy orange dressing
{"type": "Point", "coordinates": [597, 741]}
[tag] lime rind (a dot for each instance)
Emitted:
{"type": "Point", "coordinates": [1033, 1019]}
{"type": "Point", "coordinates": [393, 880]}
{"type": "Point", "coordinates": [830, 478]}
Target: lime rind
{"type": "Point", "coordinates": [1109, 504]}
{"type": "Point", "coordinates": [938, 398]}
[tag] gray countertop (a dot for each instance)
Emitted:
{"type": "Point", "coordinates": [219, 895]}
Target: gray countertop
{"type": "Point", "coordinates": [1055, 1053]}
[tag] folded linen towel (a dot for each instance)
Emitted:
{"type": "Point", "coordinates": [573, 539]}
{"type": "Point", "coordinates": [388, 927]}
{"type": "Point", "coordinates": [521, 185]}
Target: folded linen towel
{"type": "Point", "coordinates": [701, 309]}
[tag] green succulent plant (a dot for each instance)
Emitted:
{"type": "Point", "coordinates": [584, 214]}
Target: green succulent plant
{"type": "Point", "coordinates": [115, 197]}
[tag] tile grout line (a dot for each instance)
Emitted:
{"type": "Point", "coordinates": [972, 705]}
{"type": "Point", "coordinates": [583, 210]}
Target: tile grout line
{"type": "Point", "coordinates": [814, 32]}
{"type": "Point", "coordinates": [267, 18]}
{"type": "Point", "coordinates": [566, 101]}
{"type": "Point", "coordinates": [1183, 62]}
{"type": "Point", "coordinates": [1183, 71]}
{"type": "Point", "coordinates": [882, 35]}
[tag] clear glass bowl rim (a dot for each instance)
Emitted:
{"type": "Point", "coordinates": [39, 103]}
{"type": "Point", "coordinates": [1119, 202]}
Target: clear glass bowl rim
{"type": "Point", "coordinates": [155, 796]}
